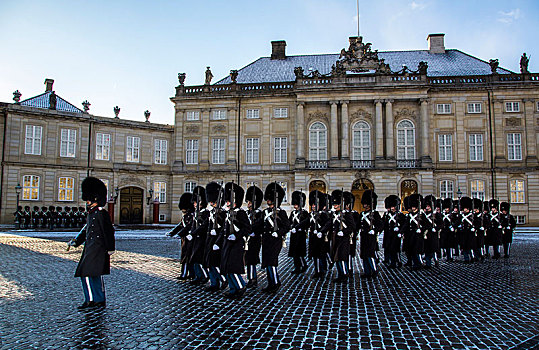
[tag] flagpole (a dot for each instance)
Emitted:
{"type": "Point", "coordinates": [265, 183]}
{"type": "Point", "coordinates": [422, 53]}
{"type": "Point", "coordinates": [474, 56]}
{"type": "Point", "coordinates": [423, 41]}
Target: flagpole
{"type": "Point", "coordinates": [357, 18]}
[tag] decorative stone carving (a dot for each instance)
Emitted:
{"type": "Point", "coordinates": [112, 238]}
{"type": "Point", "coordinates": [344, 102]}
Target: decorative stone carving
{"type": "Point", "coordinates": [513, 121]}
{"type": "Point", "coordinates": [192, 129]}
{"type": "Point", "coordinates": [317, 115]}
{"type": "Point", "coordinates": [494, 63]}
{"type": "Point", "coordinates": [234, 76]}
{"type": "Point", "coordinates": [181, 78]}
{"type": "Point", "coordinates": [524, 64]}
{"type": "Point", "coordinates": [358, 58]}
{"type": "Point", "coordinates": [360, 114]}
{"type": "Point", "coordinates": [362, 174]}
{"type": "Point", "coordinates": [298, 71]}
{"type": "Point", "coordinates": [132, 180]}
{"type": "Point", "coordinates": [405, 113]}
{"type": "Point", "coordinates": [220, 128]}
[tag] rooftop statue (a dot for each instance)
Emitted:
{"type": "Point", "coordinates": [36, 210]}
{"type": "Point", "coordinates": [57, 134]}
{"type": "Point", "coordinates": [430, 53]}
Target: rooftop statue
{"type": "Point", "coordinates": [524, 64]}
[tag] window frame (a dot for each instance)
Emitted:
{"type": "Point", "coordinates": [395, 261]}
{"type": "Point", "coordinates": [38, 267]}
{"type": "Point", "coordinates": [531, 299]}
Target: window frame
{"type": "Point", "coordinates": [515, 193]}
{"type": "Point", "coordinates": [444, 183]}
{"type": "Point", "coordinates": [445, 149]}
{"type": "Point", "coordinates": [282, 151]}
{"type": "Point", "coordinates": [441, 108]}
{"type": "Point", "coordinates": [30, 189]}
{"type": "Point", "coordinates": [191, 153]}
{"type": "Point", "coordinates": [160, 189]}
{"type": "Point", "coordinates": [278, 112]}
{"type": "Point", "coordinates": [70, 142]}
{"type": "Point", "coordinates": [160, 153]}
{"type": "Point", "coordinates": [251, 150]}
{"type": "Point", "coordinates": [474, 148]}
{"type": "Point", "coordinates": [362, 133]}
{"type": "Point", "coordinates": [191, 116]}
{"type": "Point", "coordinates": [321, 151]}
{"type": "Point", "coordinates": [129, 155]}
{"type": "Point", "coordinates": [475, 190]}
{"type": "Point", "coordinates": [104, 146]}
{"type": "Point", "coordinates": [512, 147]}
{"type": "Point", "coordinates": [252, 110]}
{"type": "Point", "coordinates": [218, 151]}
{"type": "Point", "coordinates": [474, 110]}
{"type": "Point", "coordinates": [66, 190]}
{"type": "Point", "coordinates": [218, 114]}
{"type": "Point", "coordinates": [406, 147]}
{"type": "Point", "coordinates": [191, 184]}
{"type": "Point", "coordinates": [512, 104]}
{"type": "Point", "coordinates": [35, 141]}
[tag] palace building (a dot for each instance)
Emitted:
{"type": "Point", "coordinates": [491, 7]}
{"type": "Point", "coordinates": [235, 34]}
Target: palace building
{"type": "Point", "coordinates": [435, 121]}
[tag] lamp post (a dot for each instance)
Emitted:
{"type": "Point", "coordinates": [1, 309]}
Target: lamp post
{"type": "Point", "coordinates": [149, 197]}
{"type": "Point", "coordinates": [459, 193]}
{"type": "Point", "coordinates": [112, 202]}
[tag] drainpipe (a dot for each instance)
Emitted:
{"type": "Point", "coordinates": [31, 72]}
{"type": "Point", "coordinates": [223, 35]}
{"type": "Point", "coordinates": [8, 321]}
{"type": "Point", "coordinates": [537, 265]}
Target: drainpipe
{"type": "Point", "coordinates": [492, 161]}
{"type": "Point", "coordinates": [3, 158]}
{"type": "Point", "coordinates": [238, 142]}
{"type": "Point", "coordinates": [89, 147]}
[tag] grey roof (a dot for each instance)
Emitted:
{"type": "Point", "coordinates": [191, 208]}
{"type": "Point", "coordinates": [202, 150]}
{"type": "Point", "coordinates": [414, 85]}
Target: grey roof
{"type": "Point", "coordinates": [450, 63]}
{"type": "Point", "coordinates": [42, 101]}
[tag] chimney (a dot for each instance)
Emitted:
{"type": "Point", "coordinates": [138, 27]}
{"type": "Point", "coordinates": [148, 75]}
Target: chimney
{"type": "Point", "coordinates": [278, 50]}
{"type": "Point", "coordinates": [48, 83]}
{"type": "Point", "coordinates": [436, 43]}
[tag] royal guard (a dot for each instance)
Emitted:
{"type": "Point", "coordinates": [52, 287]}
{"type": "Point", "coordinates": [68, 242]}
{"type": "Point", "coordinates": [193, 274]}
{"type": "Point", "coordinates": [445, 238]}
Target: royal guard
{"type": "Point", "coordinates": [319, 226]}
{"type": "Point", "coordinates": [393, 222]}
{"type": "Point", "coordinates": [431, 228]}
{"type": "Point", "coordinates": [44, 217]}
{"type": "Point", "coordinates": [212, 253]}
{"type": "Point", "coordinates": [343, 230]}
{"type": "Point", "coordinates": [199, 231]}
{"type": "Point", "coordinates": [479, 249]}
{"type": "Point", "coordinates": [406, 235]}
{"type": "Point", "coordinates": [236, 230]}
{"type": "Point", "coordinates": [182, 230]}
{"type": "Point", "coordinates": [508, 224]}
{"type": "Point", "coordinates": [276, 225]}
{"type": "Point", "coordinates": [35, 217]}
{"type": "Point", "coordinates": [466, 229]}
{"type": "Point", "coordinates": [457, 219]}
{"type": "Point", "coordinates": [19, 217]}
{"type": "Point", "coordinates": [413, 231]}
{"type": "Point", "coordinates": [51, 218]}
{"type": "Point", "coordinates": [448, 228]}
{"type": "Point", "coordinates": [99, 244]}
{"type": "Point", "coordinates": [299, 221]}
{"type": "Point", "coordinates": [253, 198]}
{"type": "Point", "coordinates": [494, 228]}
{"type": "Point", "coordinates": [27, 217]}
{"type": "Point", "coordinates": [67, 217]}
{"type": "Point", "coordinates": [350, 200]}
{"type": "Point", "coordinates": [59, 222]}
{"type": "Point", "coordinates": [371, 226]}
{"type": "Point", "coordinates": [75, 217]}
{"type": "Point", "coordinates": [82, 213]}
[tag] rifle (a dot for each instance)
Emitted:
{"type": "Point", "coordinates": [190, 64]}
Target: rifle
{"type": "Point", "coordinates": [218, 209]}
{"type": "Point", "coordinates": [198, 209]}
{"type": "Point", "coordinates": [231, 212]}
{"type": "Point", "coordinates": [342, 209]}
{"type": "Point", "coordinates": [252, 218]}
{"type": "Point", "coordinates": [275, 226]}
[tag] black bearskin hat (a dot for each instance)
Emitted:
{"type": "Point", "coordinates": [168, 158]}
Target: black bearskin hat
{"type": "Point", "coordinates": [447, 203]}
{"type": "Point", "coordinates": [74, 209]}
{"type": "Point", "coordinates": [52, 208]}
{"type": "Point", "coordinates": [466, 202]}
{"type": "Point", "coordinates": [456, 204]}
{"type": "Point", "coordinates": [238, 194]}
{"type": "Point", "coordinates": [68, 209]}
{"type": "Point", "coordinates": [313, 195]}
{"type": "Point", "coordinates": [493, 203]}
{"type": "Point", "coordinates": [392, 201]}
{"type": "Point", "coordinates": [27, 208]}
{"type": "Point", "coordinates": [58, 209]}
{"type": "Point", "coordinates": [415, 200]}
{"type": "Point", "coordinates": [186, 201]}
{"type": "Point", "coordinates": [336, 197]}
{"type": "Point", "coordinates": [298, 198]}
{"type": "Point", "coordinates": [272, 189]}
{"type": "Point", "coordinates": [369, 198]}
{"type": "Point", "coordinates": [505, 206]}
{"type": "Point", "coordinates": [36, 208]}
{"type": "Point", "coordinates": [43, 208]}
{"type": "Point", "coordinates": [213, 191]}
{"type": "Point", "coordinates": [94, 190]}
{"type": "Point", "coordinates": [199, 195]}
{"type": "Point", "coordinates": [478, 204]}
{"type": "Point", "coordinates": [406, 203]}
{"type": "Point", "coordinates": [349, 199]}
{"type": "Point", "coordinates": [81, 209]}
{"type": "Point", "coordinates": [485, 206]}
{"type": "Point", "coordinates": [258, 196]}
{"type": "Point", "coordinates": [429, 200]}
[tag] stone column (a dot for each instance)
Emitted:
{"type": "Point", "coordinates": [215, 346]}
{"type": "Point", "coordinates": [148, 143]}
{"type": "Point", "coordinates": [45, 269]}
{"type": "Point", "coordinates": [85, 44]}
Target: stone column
{"type": "Point", "coordinates": [425, 142]}
{"type": "Point", "coordinates": [345, 127]}
{"type": "Point", "coordinates": [390, 128]}
{"type": "Point", "coordinates": [334, 140]}
{"type": "Point", "coordinates": [529, 141]}
{"type": "Point", "coordinates": [300, 131]}
{"type": "Point", "coordinates": [379, 131]}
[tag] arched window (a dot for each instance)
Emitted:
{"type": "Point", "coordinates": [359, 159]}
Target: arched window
{"type": "Point", "coordinates": [405, 140]}
{"type": "Point", "coordinates": [361, 141]}
{"type": "Point", "coordinates": [317, 141]}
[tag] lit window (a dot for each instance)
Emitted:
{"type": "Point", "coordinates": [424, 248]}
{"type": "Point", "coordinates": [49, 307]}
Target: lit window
{"type": "Point", "coordinates": [218, 151]}
{"type": "Point", "coordinates": [253, 145]}
{"type": "Point", "coordinates": [280, 153]}
{"type": "Point", "coordinates": [65, 189]}
{"type": "Point", "coordinates": [474, 107]}
{"type": "Point", "coordinates": [193, 115]}
{"type": "Point", "coordinates": [512, 107]}
{"type": "Point", "coordinates": [218, 114]}
{"type": "Point", "coordinates": [102, 146]}
{"type": "Point", "coordinates": [280, 112]}
{"type": "Point", "coordinates": [405, 140]}
{"type": "Point", "coordinates": [284, 185]}
{"type": "Point", "coordinates": [190, 186]}
{"type": "Point", "coordinates": [361, 141]}
{"type": "Point", "coordinates": [514, 147]}
{"type": "Point", "coordinates": [445, 147]}
{"type": "Point", "coordinates": [443, 108]}
{"type": "Point", "coordinates": [68, 139]}
{"type": "Point", "coordinates": [317, 141]}
{"type": "Point", "coordinates": [477, 189]}
{"type": "Point", "coordinates": [517, 191]}
{"type": "Point", "coordinates": [161, 151]}
{"type": "Point", "coordinates": [32, 142]}
{"type": "Point", "coordinates": [253, 114]}
{"type": "Point", "coordinates": [30, 187]}
{"type": "Point", "coordinates": [476, 147]}
{"type": "Point", "coordinates": [446, 189]}
{"type": "Point", "coordinates": [160, 191]}
{"type": "Point", "coordinates": [191, 152]}
{"type": "Point", "coordinates": [133, 149]}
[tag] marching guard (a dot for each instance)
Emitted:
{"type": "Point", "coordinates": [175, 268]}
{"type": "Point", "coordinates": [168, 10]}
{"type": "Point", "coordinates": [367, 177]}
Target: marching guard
{"type": "Point", "coordinates": [508, 224]}
{"type": "Point", "coordinates": [371, 225]}
{"type": "Point", "coordinates": [479, 225]}
{"type": "Point", "coordinates": [199, 231]}
{"type": "Point", "coordinates": [343, 228]}
{"type": "Point", "coordinates": [299, 221]}
{"type": "Point", "coordinates": [431, 229]}
{"type": "Point", "coordinates": [182, 230]}
{"type": "Point", "coordinates": [319, 226]}
{"type": "Point", "coordinates": [448, 229]}
{"type": "Point", "coordinates": [393, 221]}
{"type": "Point", "coordinates": [212, 251]}
{"type": "Point", "coordinates": [254, 197]}
{"type": "Point", "coordinates": [467, 230]}
{"type": "Point", "coordinates": [350, 199]}
{"type": "Point", "coordinates": [494, 228]}
{"type": "Point", "coordinates": [413, 231]}
{"type": "Point", "coordinates": [276, 225]}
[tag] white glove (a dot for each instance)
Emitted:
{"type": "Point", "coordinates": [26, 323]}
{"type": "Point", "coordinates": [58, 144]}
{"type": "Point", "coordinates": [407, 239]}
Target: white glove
{"type": "Point", "coordinates": [473, 229]}
{"type": "Point", "coordinates": [315, 232]}
{"type": "Point", "coordinates": [482, 229]}
{"type": "Point", "coordinates": [215, 247]}
{"type": "Point", "coordinates": [340, 234]}
{"type": "Point", "coordinates": [452, 229]}
{"type": "Point", "coordinates": [168, 234]}
{"type": "Point", "coordinates": [213, 232]}
{"type": "Point", "coordinates": [111, 252]}
{"type": "Point", "coordinates": [318, 234]}
{"type": "Point", "coordinates": [274, 234]}
{"type": "Point", "coordinates": [508, 227]}
{"type": "Point", "coordinates": [252, 234]}
{"type": "Point", "coordinates": [399, 235]}
{"type": "Point", "coordinates": [294, 230]}
{"type": "Point", "coordinates": [500, 226]}
{"type": "Point", "coordinates": [396, 228]}
{"type": "Point", "coordinates": [71, 243]}
{"type": "Point", "coordinates": [371, 232]}
{"type": "Point", "coordinates": [189, 237]}
{"type": "Point", "coordinates": [433, 229]}
{"type": "Point", "coordinates": [418, 231]}
{"type": "Point", "coordinates": [231, 238]}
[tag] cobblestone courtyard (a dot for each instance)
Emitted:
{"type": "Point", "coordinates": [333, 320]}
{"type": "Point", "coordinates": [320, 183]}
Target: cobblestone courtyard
{"type": "Point", "coordinates": [489, 305]}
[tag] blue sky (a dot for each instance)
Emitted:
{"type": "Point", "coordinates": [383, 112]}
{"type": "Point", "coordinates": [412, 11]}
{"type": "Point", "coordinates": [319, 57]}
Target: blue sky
{"type": "Point", "coordinates": [128, 53]}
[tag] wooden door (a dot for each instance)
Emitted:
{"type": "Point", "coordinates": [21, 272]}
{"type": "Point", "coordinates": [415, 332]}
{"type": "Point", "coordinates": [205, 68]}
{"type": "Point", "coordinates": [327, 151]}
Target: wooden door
{"type": "Point", "coordinates": [358, 187]}
{"type": "Point", "coordinates": [131, 205]}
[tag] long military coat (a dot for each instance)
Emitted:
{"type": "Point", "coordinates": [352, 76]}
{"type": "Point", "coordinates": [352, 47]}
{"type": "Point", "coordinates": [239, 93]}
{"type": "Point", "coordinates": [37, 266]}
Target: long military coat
{"type": "Point", "coordinates": [271, 246]}
{"type": "Point", "coordinates": [299, 220]}
{"type": "Point", "coordinates": [233, 254]}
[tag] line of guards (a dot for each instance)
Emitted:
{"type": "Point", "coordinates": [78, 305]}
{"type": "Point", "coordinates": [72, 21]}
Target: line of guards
{"type": "Point", "coordinates": [220, 240]}
{"type": "Point", "coordinates": [50, 217]}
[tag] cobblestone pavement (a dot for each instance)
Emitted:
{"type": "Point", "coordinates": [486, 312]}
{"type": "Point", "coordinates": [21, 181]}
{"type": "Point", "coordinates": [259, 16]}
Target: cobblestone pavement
{"type": "Point", "coordinates": [489, 305]}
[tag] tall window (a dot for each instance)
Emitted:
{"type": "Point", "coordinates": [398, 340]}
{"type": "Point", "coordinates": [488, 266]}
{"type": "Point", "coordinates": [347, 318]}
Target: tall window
{"type": "Point", "coordinates": [514, 147]}
{"type": "Point", "coordinates": [65, 189]}
{"type": "Point", "coordinates": [30, 187]}
{"type": "Point", "coordinates": [32, 142]}
{"type": "Point", "coordinates": [474, 107]}
{"type": "Point", "coordinates": [405, 140]}
{"type": "Point", "coordinates": [445, 147]}
{"type": "Point", "coordinates": [160, 191]}
{"type": "Point", "coordinates": [280, 147]}
{"type": "Point", "coordinates": [476, 147]}
{"type": "Point", "coordinates": [132, 151]}
{"type": "Point", "coordinates": [284, 185]}
{"type": "Point", "coordinates": [317, 141]}
{"type": "Point", "coordinates": [102, 146]}
{"type": "Point", "coordinates": [218, 114]}
{"type": "Point", "coordinates": [193, 115]}
{"type": "Point", "coordinates": [191, 152]}
{"type": "Point", "coordinates": [280, 112]}
{"type": "Point", "coordinates": [218, 151]}
{"type": "Point", "coordinates": [443, 108]}
{"type": "Point", "coordinates": [361, 141]}
{"type": "Point", "coordinates": [446, 189]}
{"type": "Point", "coordinates": [190, 186]}
{"type": "Point", "coordinates": [517, 191]}
{"type": "Point", "coordinates": [68, 140]}
{"type": "Point", "coordinates": [253, 145]}
{"type": "Point", "coordinates": [161, 151]}
{"type": "Point", "coordinates": [477, 188]}
{"type": "Point", "coordinates": [253, 114]}
{"type": "Point", "coordinates": [512, 107]}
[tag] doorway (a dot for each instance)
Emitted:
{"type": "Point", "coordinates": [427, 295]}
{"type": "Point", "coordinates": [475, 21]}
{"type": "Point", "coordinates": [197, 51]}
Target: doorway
{"type": "Point", "coordinates": [131, 205]}
{"type": "Point", "coordinates": [408, 187]}
{"type": "Point", "coordinates": [358, 187]}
